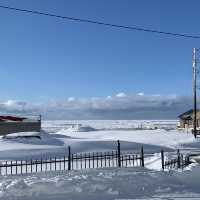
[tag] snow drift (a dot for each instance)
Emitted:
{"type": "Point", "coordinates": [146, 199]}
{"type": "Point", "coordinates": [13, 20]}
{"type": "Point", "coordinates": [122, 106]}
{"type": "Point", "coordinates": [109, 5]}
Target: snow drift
{"type": "Point", "coordinates": [132, 183]}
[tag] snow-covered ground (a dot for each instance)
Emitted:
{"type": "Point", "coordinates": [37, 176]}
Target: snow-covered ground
{"type": "Point", "coordinates": [88, 136]}
{"type": "Point", "coordinates": [126, 183]}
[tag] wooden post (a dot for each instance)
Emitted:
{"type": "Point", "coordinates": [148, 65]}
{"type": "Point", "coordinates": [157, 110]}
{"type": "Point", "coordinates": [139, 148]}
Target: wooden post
{"type": "Point", "coordinates": [142, 157]}
{"type": "Point", "coordinates": [119, 153]}
{"type": "Point", "coordinates": [162, 159]}
{"type": "Point", "coordinates": [69, 158]}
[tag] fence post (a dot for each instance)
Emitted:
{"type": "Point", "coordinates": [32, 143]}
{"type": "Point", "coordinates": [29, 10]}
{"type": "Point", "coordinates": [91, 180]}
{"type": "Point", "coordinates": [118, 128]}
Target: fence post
{"type": "Point", "coordinates": [16, 167]}
{"type": "Point", "coordinates": [69, 158]}
{"type": "Point", "coordinates": [162, 159]}
{"type": "Point", "coordinates": [31, 165]}
{"type": "Point", "coordinates": [64, 162]}
{"type": "Point", "coordinates": [26, 167]}
{"type": "Point", "coordinates": [187, 160]}
{"type": "Point", "coordinates": [21, 165]}
{"type": "Point", "coordinates": [41, 165]}
{"type": "Point", "coordinates": [36, 165]}
{"type": "Point", "coordinates": [142, 156]}
{"type": "Point", "coordinates": [178, 159]}
{"type": "Point", "coordinates": [72, 161]}
{"type": "Point", "coordinates": [93, 159]}
{"type": "Point", "coordinates": [119, 153]}
{"type": "Point", "coordinates": [7, 168]}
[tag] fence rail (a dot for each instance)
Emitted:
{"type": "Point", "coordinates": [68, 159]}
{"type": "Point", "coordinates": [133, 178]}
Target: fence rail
{"type": "Point", "coordinates": [89, 160]}
{"type": "Point", "coordinates": [179, 161]}
{"type": "Point", "coordinates": [74, 162]}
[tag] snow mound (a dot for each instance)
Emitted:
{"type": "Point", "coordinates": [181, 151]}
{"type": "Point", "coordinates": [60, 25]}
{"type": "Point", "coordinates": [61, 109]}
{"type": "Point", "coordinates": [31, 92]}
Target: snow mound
{"type": "Point", "coordinates": [22, 135]}
{"type": "Point", "coordinates": [35, 138]}
{"type": "Point", "coordinates": [81, 128]}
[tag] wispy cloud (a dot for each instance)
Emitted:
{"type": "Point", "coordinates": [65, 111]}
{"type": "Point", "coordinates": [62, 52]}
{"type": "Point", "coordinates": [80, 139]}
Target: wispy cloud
{"type": "Point", "coordinates": [120, 106]}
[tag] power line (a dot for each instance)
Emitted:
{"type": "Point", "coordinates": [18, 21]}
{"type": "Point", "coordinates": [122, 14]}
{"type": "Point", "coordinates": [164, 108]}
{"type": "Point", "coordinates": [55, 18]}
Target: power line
{"type": "Point", "coordinates": [135, 28]}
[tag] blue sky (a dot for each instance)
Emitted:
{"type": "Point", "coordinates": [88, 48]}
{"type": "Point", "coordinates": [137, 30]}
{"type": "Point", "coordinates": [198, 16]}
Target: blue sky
{"type": "Point", "coordinates": [48, 59]}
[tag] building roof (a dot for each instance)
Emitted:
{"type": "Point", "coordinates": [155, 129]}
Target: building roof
{"type": "Point", "coordinates": [188, 114]}
{"type": "Point", "coordinates": [12, 118]}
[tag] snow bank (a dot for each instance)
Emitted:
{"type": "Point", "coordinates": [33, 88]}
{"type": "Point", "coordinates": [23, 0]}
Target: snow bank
{"type": "Point", "coordinates": [22, 135]}
{"type": "Point", "coordinates": [126, 183]}
{"type": "Point", "coordinates": [170, 139]}
{"type": "Point", "coordinates": [30, 145]}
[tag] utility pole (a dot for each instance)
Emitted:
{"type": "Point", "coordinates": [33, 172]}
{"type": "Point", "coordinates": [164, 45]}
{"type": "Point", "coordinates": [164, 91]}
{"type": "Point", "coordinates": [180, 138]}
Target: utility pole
{"type": "Point", "coordinates": [194, 66]}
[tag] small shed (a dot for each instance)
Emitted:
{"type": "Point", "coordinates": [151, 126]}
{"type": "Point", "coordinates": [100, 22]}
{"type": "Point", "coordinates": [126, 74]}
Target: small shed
{"type": "Point", "coordinates": [186, 119]}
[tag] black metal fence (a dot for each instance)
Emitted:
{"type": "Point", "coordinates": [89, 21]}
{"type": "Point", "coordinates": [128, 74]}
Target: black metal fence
{"type": "Point", "coordinates": [179, 161]}
{"type": "Point", "coordinates": [89, 160]}
{"type": "Point", "coordinates": [74, 162]}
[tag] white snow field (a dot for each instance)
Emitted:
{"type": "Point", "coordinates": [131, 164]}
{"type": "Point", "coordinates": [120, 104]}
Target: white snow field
{"type": "Point", "coordinates": [88, 136]}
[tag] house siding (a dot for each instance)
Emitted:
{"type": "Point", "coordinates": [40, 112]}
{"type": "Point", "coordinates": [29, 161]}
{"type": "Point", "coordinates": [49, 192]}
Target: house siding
{"type": "Point", "coordinates": [15, 127]}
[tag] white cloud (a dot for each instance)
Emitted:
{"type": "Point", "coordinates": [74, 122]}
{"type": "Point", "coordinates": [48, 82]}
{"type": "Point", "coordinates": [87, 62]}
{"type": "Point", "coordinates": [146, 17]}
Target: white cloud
{"type": "Point", "coordinates": [70, 99]}
{"type": "Point", "coordinates": [156, 95]}
{"type": "Point", "coordinates": [140, 94]}
{"type": "Point", "coordinates": [108, 97]}
{"type": "Point", "coordinates": [120, 106]}
{"type": "Point", "coordinates": [121, 95]}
